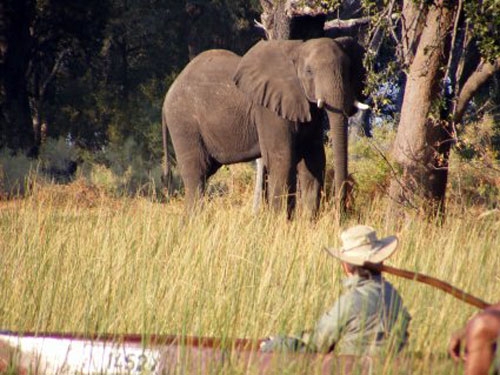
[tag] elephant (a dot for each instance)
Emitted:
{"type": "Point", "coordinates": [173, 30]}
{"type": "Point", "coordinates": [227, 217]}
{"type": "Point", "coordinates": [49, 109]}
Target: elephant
{"type": "Point", "coordinates": [224, 109]}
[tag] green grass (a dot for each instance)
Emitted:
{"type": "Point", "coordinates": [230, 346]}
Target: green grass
{"type": "Point", "coordinates": [135, 266]}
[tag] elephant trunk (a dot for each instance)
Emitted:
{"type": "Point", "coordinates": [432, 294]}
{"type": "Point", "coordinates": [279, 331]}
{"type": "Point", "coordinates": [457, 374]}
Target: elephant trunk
{"type": "Point", "coordinates": [338, 131]}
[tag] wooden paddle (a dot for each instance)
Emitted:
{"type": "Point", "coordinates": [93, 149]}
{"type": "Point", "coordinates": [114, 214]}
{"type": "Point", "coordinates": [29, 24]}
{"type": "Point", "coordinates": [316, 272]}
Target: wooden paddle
{"type": "Point", "coordinates": [429, 280]}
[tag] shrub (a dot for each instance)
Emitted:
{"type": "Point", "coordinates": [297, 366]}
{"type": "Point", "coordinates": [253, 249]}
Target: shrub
{"type": "Point", "coordinates": [58, 160]}
{"type": "Point", "coordinates": [475, 167]}
{"type": "Point", "coordinates": [121, 170]}
{"type": "Point", "coordinates": [369, 166]}
{"type": "Point", "coordinates": [16, 174]}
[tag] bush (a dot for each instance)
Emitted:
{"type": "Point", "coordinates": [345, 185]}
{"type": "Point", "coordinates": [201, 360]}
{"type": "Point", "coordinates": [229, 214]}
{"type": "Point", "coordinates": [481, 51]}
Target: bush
{"type": "Point", "coordinates": [369, 166]}
{"type": "Point", "coordinates": [58, 160]}
{"type": "Point", "coordinates": [475, 167]}
{"type": "Point", "coordinates": [121, 170]}
{"type": "Point", "coordinates": [17, 173]}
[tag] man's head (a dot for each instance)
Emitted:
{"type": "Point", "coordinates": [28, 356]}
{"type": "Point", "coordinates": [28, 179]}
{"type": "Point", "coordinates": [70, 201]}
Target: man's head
{"type": "Point", "coordinates": [360, 246]}
{"type": "Point", "coordinates": [351, 270]}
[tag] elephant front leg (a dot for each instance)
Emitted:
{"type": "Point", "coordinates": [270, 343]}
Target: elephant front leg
{"type": "Point", "coordinates": [277, 141]}
{"type": "Point", "coordinates": [311, 177]}
{"type": "Point", "coordinates": [282, 182]}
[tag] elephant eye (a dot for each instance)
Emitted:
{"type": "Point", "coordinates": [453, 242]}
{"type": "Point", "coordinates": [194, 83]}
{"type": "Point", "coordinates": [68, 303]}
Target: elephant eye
{"type": "Point", "coordinates": [308, 70]}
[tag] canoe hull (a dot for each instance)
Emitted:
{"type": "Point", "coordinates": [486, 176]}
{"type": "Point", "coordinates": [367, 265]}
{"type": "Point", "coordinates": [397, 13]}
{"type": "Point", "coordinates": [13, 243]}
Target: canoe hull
{"type": "Point", "coordinates": [56, 354]}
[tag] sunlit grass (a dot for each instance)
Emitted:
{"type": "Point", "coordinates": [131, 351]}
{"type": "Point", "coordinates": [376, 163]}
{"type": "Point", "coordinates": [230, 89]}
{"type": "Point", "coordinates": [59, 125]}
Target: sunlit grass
{"type": "Point", "coordinates": [136, 266]}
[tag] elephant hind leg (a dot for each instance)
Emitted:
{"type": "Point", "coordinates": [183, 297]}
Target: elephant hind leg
{"type": "Point", "coordinates": [196, 168]}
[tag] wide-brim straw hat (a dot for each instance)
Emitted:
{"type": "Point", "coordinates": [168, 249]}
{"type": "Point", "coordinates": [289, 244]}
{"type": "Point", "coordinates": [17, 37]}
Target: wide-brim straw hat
{"type": "Point", "coordinates": [360, 245]}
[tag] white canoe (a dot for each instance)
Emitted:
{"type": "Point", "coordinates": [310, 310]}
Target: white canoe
{"type": "Point", "coordinates": [65, 354]}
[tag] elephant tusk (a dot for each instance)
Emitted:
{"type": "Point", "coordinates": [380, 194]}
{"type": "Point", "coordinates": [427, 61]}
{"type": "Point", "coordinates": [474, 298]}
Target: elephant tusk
{"type": "Point", "coordinates": [321, 103]}
{"type": "Point", "coordinates": [361, 106]}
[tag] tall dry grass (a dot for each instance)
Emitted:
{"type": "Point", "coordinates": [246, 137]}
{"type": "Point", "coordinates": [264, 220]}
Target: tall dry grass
{"type": "Point", "coordinates": [132, 265]}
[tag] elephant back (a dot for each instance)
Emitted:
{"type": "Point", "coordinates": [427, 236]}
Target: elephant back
{"type": "Point", "coordinates": [211, 67]}
{"type": "Point", "coordinates": [208, 73]}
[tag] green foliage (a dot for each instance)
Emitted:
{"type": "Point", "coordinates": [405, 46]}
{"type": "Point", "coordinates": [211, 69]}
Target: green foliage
{"type": "Point", "coordinates": [204, 29]}
{"type": "Point", "coordinates": [384, 68]}
{"type": "Point", "coordinates": [102, 178]}
{"type": "Point", "coordinates": [326, 5]}
{"type": "Point", "coordinates": [125, 85]}
{"type": "Point", "coordinates": [233, 182]}
{"type": "Point", "coordinates": [120, 56]}
{"type": "Point", "coordinates": [372, 8]}
{"type": "Point", "coordinates": [483, 17]}
{"type": "Point", "coordinates": [369, 162]}
{"type": "Point", "coordinates": [478, 141]}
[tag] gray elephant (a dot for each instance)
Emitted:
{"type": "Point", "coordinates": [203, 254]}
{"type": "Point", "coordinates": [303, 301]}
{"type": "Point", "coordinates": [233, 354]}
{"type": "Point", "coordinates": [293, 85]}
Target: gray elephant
{"type": "Point", "coordinates": [225, 109]}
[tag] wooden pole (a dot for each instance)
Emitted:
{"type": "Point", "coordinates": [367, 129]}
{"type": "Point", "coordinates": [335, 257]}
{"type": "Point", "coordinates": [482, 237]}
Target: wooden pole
{"type": "Point", "coordinates": [429, 280]}
{"type": "Point", "coordinates": [432, 281]}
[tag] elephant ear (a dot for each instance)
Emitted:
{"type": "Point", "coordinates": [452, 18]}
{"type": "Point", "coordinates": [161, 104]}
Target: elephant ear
{"type": "Point", "coordinates": [267, 74]}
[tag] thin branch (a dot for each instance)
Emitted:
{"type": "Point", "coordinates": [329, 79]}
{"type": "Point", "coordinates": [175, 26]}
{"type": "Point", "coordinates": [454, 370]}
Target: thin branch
{"type": "Point", "coordinates": [57, 65]}
{"type": "Point", "coordinates": [343, 24]}
{"type": "Point", "coordinates": [453, 53]}
{"type": "Point", "coordinates": [378, 34]}
{"type": "Point", "coordinates": [393, 16]}
{"type": "Point", "coordinates": [465, 44]}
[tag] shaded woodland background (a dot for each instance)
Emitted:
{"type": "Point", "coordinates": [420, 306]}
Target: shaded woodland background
{"type": "Point", "coordinates": [96, 72]}
{"type": "Point", "coordinates": [82, 82]}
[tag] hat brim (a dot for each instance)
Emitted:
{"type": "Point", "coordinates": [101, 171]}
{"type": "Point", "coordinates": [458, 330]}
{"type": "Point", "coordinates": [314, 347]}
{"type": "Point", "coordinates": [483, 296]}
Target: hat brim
{"type": "Point", "coordinates": [385, 247]}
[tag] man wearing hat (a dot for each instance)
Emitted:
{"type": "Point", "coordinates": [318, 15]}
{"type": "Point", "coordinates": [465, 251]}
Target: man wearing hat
{"type": "Point", "coordinates": [369, 317]}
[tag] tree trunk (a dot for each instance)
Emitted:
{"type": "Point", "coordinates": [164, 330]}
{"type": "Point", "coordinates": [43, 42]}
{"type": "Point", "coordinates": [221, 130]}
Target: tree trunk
{"type": "Point", "coordinates": [275, 20]}
{"type": "Point", "coordinates": [291, 19]}
{"type": "Point", "coordinates": [423, 141]}
{"type": "Point", "coordinates": [16, 128]}
{"type": "Point", "coordinates": [412, 24]}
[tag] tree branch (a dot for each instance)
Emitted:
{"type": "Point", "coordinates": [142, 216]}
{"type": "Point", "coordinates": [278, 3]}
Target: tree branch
{"type": "Point", "coordinates": [343, 24]}
{"type": "Point", "coordinates": [379, 32]}
{"type": "Point", "coordinates": [483, 73]}
{"type": "Point", "coordinates": [55, 69]}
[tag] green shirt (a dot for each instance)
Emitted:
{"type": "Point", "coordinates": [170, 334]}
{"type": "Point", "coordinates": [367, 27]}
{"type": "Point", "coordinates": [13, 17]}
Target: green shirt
{"type": "Point", "coordinates": [368, 317]}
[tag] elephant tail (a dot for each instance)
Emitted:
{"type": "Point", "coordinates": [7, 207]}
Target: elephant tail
{"type": "Point", "coordinates": [166, 177]}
